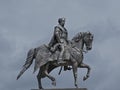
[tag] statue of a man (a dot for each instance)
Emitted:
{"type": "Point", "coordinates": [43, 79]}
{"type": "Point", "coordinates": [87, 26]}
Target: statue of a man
{"type": "Point", "coordinates": [60, 37]}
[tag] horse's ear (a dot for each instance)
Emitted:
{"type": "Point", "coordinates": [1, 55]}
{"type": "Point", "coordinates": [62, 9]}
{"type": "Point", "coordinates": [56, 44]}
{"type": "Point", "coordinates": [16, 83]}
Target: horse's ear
{"type": "Point", "coordinates": [88, 32]}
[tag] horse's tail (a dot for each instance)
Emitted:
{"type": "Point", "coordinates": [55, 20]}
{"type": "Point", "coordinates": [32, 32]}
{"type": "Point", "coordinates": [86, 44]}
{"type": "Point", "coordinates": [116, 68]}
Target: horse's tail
{"type": "Point", "coordinates": [29, 60]}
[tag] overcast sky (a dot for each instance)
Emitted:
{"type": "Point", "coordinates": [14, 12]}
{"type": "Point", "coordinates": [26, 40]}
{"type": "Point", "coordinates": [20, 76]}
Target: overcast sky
{"type": "Point", "coordinates": [26, 24]}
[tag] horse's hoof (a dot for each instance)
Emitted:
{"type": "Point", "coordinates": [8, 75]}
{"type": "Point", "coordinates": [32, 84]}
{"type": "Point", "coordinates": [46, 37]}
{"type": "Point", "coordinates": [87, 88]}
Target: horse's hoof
{"type": "Point", "coordinates": [54, 83]}
{"type": "Point", "coordinates": [76, 85]}
{"type": "Point", "coordinates": [85, 77]}
{"type": "Point", "coordinates": [41, 88]}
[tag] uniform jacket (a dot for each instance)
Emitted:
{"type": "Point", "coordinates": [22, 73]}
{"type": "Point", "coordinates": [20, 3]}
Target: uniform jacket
{"type": "Point", "coordinates": [59, 33]}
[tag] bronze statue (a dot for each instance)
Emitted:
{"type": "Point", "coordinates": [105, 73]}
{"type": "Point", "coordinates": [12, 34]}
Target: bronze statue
{"type": "Point", "coordinates": [47, 56]}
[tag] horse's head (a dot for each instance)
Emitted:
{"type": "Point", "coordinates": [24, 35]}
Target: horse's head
{"type": "Point", "coordinates": [83, 38]}
{"type": "Point", "coordinates": [88, 39]}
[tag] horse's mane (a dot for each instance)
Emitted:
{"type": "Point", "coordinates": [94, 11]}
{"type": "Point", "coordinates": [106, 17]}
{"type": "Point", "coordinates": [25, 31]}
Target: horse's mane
{"type": "Point", "coordinates": [77, 37]}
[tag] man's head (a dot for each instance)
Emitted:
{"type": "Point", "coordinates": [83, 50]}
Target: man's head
{"type": "Point", "coordinates": [61, 21]}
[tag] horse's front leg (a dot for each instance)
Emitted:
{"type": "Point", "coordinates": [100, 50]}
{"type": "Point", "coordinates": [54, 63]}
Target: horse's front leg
{"type": "Point", "coordinates": [82, 65]}
{"type": "Point", "coordinates": [75, 65]}
{"type": "Point", "coordinates": [49, 76]}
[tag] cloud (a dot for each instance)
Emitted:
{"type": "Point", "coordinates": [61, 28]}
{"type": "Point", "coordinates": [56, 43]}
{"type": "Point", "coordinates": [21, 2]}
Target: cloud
{"type": "Point", "coordinates": [28, 24]}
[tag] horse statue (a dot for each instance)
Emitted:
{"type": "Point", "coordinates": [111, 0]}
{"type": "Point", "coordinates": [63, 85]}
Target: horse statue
{"type": "Point", "coordinates": [46, 61]}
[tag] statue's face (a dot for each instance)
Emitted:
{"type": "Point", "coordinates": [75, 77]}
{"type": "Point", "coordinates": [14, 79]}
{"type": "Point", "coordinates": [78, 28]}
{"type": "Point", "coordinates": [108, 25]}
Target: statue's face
{"type": "Point", "coordinates": [62, 22]}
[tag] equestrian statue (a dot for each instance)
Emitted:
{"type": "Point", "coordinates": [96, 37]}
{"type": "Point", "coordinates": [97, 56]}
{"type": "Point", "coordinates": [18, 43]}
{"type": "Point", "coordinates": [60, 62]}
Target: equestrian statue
{"type": "Point", "coordinates": [60, 52]}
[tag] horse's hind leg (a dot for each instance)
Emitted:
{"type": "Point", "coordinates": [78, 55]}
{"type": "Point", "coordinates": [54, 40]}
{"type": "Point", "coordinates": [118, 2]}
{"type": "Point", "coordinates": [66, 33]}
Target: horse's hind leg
{"type": "Point", "coordinates": [49, 76]}
{"type": "Point", "coordinates": [75, 65]}
{"type": "Point", "coordinates": [39, 80]}
{"type": "Point", "coordinates": [82, 65]}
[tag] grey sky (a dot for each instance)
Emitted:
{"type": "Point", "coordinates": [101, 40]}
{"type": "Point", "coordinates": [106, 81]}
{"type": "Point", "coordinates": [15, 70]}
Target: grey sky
{"type": "Point", "coordinates": [26, 24]}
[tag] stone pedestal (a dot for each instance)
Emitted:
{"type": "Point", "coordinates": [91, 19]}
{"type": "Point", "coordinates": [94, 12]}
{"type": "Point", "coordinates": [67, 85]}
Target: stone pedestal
{"type": "Point", "coordinates": [63, 89]}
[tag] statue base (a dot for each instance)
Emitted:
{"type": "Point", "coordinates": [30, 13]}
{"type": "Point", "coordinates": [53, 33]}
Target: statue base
{"type": "Point", "coordinates": [63, 89]}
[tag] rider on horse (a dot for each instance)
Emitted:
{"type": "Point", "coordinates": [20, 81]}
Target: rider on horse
{"type": "Point", "coordinates": [60, 37]}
